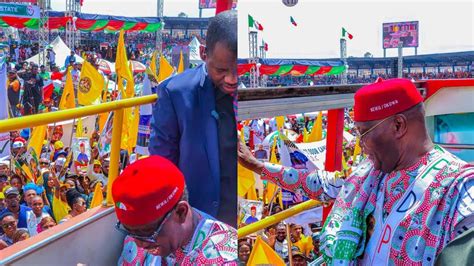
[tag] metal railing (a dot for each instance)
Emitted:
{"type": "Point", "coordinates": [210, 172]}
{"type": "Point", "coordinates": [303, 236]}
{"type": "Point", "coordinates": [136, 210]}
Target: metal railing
{"type": "Point", "coordinates": [276, 218]}
{"type": "Point", "coordinates": [53, 117]}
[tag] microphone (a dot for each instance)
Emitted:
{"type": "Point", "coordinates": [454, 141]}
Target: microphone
{"type": "Point", "coordinates": [215, 115]}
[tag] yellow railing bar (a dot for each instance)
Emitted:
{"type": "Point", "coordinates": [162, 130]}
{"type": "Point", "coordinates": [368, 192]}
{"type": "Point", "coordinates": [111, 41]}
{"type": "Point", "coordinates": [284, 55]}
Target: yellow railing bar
{"type": "Point", "coordinates": [52, 117]}
{"type": "Point", "coordinates": [276, 218]}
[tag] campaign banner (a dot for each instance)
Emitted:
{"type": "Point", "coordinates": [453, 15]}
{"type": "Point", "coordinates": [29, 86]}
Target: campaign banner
{"type": "Point", "coordinates": [105, 139]}
{"type": "Point", "coordinates": [18, 10]}
{"type": "Point", "coordinates": [314, 215]}
{"type": "Point", "coordinates": [250, 211]}
{"type": "Point", "coordinates": [144, 132]}
{"type": "Point", "coordinates": [291, 155]}
{"type": "Point", "coordinates": [81, 150]}
{"type": "Point", "coordinates": [314, 151]}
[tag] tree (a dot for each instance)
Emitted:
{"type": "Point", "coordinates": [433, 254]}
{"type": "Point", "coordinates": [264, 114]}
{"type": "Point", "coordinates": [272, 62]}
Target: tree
{"type": "Point", "coordinates": [182, 15]}
{"type": "Point", "coordinates": [368, 55]}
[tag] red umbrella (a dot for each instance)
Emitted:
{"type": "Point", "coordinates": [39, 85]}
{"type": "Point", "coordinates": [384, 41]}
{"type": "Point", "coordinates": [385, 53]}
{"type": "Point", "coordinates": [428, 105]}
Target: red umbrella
{"type": "Point", "coordinates": [109, 67]}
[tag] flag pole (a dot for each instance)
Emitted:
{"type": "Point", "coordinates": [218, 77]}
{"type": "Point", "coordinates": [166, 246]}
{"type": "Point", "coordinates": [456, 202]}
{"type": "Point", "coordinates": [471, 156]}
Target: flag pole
{"type": "Point", "coordinates": [288, 240]}
{"type": "Point", "coordinates": [273, 198]}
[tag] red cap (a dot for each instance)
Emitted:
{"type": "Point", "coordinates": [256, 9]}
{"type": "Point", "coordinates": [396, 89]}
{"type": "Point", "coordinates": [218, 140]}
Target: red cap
{"type": "Point", "coordinates": [20, 139]}
{"type": "Point", "coordinates": [385, 98]}
{"type": "Point", "coordinates": [146, 190]}
{"type": "Point", "coordinates": [253, 208]}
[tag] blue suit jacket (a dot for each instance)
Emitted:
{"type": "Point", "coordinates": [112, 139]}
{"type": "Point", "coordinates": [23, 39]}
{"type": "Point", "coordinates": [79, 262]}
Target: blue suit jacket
{"type": "Point", "coordinates": [184, 130]}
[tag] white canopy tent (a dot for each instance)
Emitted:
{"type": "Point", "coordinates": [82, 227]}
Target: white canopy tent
{"type": "Point", "coordinates": [61, 50]}
{"type": "Point", "coordinates": [194, 57]}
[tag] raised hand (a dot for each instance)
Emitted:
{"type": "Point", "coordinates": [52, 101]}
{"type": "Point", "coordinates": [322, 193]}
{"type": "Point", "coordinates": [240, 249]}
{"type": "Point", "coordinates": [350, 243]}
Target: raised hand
{"type": "Point", "coordinates": [247, 160]}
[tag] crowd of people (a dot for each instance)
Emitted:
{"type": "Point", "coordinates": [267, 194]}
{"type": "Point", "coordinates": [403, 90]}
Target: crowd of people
{"type": "Point", "coordinates": [102, 45]}
{"type": "Point", "coordinates": [38, 195]}
{"type": "Point", "coordinates": [39, 191]}
{"type": "Point", "coordinates": [300, 236]}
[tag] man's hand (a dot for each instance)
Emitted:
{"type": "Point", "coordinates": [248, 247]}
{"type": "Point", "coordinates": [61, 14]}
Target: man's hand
{"type": "Point", "coordinates": [247, 160]}
{"type": "Point", "coordinates": [272, 237]}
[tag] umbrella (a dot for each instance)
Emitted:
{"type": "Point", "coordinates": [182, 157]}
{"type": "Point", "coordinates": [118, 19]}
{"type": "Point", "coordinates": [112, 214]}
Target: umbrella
{"type": "Point", "coordinates": [109, 67]}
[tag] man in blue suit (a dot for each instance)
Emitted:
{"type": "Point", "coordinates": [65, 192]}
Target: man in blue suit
{"type": "Point", "coordinates": [194, 123]}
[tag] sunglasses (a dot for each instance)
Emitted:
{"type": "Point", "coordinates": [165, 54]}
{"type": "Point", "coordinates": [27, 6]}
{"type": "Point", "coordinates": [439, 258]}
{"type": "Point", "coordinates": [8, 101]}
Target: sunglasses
{"type": "Point", "coordinates": [361, 135]}
{"type": "Point", "coordinates": [148, 239]}
{"type": "Point", "coordinates": [12, 224]}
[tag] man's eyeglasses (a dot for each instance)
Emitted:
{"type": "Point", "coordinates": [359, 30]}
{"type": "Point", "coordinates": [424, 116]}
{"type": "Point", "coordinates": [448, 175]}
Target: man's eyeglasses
{"type": "Point", "coordinates": [361, 135]}
{"type": "Point", "coordinates": [149, 239]}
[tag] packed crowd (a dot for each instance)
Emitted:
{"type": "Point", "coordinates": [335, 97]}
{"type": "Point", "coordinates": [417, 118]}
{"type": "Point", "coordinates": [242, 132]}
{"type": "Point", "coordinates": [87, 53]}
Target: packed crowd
{"type": "Point", "coordinates": [40, 193]}
{"type": "Point", "coordinates": [99, 44]}
{"type": "Point", "coordinates": [300, 235]}
{"type": "Point", "coordinates": [40, 190]}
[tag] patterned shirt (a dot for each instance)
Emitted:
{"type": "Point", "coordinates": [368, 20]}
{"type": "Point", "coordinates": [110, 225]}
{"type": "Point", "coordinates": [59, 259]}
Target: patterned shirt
{"type": "Point", "coordinates": [213, 243]}
{"type": "Point", "coordinates": [428, 220]}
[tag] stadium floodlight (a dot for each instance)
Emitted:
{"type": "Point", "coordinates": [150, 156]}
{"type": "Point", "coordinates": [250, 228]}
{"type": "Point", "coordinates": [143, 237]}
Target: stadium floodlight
{"type": "Point", "coordinates": [290, 3]}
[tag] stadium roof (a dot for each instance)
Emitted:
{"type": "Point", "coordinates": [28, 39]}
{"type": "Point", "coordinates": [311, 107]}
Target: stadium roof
{"type": "Point", "coordinates": [184, 23]}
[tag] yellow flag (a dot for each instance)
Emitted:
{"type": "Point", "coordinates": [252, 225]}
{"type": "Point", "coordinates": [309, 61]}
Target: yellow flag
{"type": "Point", "coordinates": [130, 89]}
{"type": "Point", "coordinates": [98, 196]}
{"type": "Point", "coordinates": [127, 118]}
{"type": "Point", "coordinates": [252, 193]}
{"type": "Point", "coordinates": [121, 62]}
{"type": "Point", "coordinates": [181, 62]}
{"type": "Point", "coordinates": [242, 135]}
{"type": "Point", "coordinates": [305, 135]}
{"type": "Point", "coordinates": [246, 180]}
{"type": "Point", "coordinates": [166, 70]}
{"type": "Point", "coordinates": [263, 254]}
{"type": "Point", "coordinates": [133, 135]}
{"type": "Point", "coordinates": [102, 120]}
{"type": "Point", "coordinates": [317, 130]}
{"type": "Point", "coordinates": [357, 150]}
{"type": "Point", "coordinates": [28, 173]}
{"type": "Point", "coordinates": [280, 121]}
{"type": "Point", "coordinates": [344, 163]}
{"type": "Point", "coordinates": [153, 65]}
{"type": "Point", "coordinates": [37, 139]}
{"type": "Point", "coordinates": [79, 128]}
{"type": "Point", "coordinates": [68, 97]}
{"type": "Point", "coordinates": [91, 85]}
{"type": "Point", "coordinates": [60, 208]}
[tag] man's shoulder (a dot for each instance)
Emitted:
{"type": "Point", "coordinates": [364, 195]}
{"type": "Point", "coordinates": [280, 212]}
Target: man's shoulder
{"type": "Point", "coordinates": [184, 82]}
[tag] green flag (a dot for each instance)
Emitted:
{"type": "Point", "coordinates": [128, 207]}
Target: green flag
{"type": "Point", "coordinates": [251, 21]}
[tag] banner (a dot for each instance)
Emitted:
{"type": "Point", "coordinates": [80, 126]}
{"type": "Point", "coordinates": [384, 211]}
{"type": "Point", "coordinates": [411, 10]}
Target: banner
{"type": "Point", "coordinates": [81, 150]}
{"type": "Point", "coordinates": [314, 215]}
{"type": "Point", "coordinates": [105, 139]}
{"type": "Point", "coordinates": [250, 211]}
{"type": "Point", "coordinates": [314, 151]}
{"type": "Point", "coordinates": [18, 10]}
{"type": "Point", "coordinates": [144, 132]}
{"type": "Point", "coordinates": [213, 4]}
{"type": "Point", "coordinates": [4, 137]}
{"type": "Point", "coordinates": [291, 155]}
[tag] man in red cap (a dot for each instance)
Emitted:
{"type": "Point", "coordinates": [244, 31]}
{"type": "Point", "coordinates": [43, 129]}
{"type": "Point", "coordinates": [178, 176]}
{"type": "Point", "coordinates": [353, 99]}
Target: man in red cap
{"type": "Point", "coordinates": [252, 218]}
{"type": "Point", "coordinates": [156, 213]}
{"type": "Point", "coordinates": [403, 204]}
